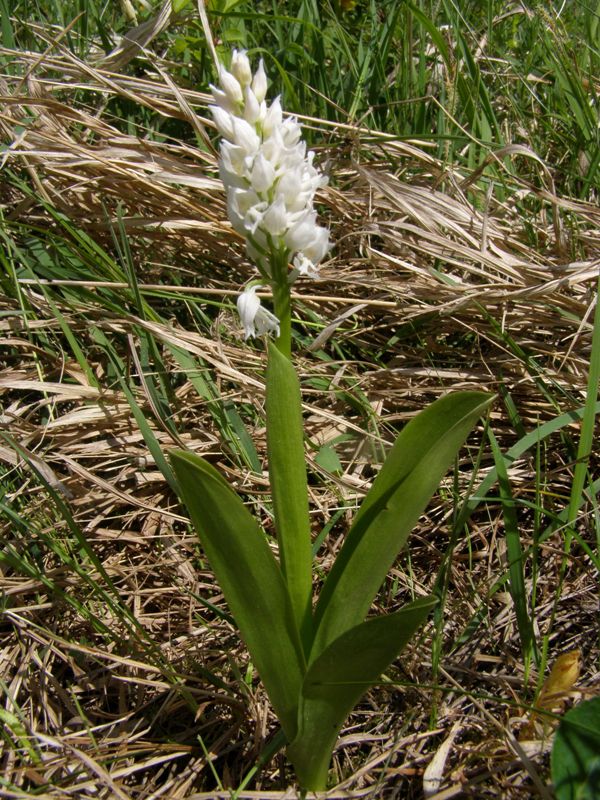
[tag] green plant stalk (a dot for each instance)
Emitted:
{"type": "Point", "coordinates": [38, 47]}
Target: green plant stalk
{"type": "Point", "coordinates": [516, 559]}
{"type": "Point", "coordinates": [589, 419]}
{"type": "Point", "coordinates": [282, 301]}
{"type": "Point", "coordinates": [287, 473]}
{"type": "Point", "coordinates": [285, 448]}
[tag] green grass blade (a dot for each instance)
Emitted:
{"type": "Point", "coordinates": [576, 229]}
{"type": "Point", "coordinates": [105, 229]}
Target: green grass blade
{"type": "Point", "coordinates": [149, 437]}
{"type": "Point", "coordinates": [515, 556]}
{"type": "Point", "coordinates": [588, 421]}
{"type": "Point", "coordinates": [531, 440]}
{"type": "Point", "coordinates": [223, 412]}
{"type": "Point", "coordinates": [8, 39]}
{"type": "Point", "coordinates": [76, 349]}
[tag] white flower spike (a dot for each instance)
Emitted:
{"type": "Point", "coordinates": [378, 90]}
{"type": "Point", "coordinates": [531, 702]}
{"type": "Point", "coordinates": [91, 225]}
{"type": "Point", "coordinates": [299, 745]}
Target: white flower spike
{"type": "Point", "coordinates": [256, 320]}
{"type": "Point", "coordinates": [269, 177]}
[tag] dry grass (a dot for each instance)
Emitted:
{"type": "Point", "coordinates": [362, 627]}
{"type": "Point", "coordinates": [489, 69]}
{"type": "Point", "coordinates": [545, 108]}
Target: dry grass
{"type": "Point", "coordinates": [434, 284]}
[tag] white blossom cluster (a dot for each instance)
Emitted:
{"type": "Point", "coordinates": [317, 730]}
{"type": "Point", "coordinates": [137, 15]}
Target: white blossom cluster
{"type": "Point", "coordinates": [269, 177]}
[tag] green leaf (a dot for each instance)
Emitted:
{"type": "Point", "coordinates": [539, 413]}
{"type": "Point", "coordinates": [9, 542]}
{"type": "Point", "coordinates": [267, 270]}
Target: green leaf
{"type": "Point", "coordinates": [150, 439]}
{"type": "Point", "coordinates": [516, 557]}
{"type": "Point", "coordinates": [287, 473]}
{"type": "Point", "coordinates": [339, 677]}
{"type": "Point", "coordinates": [432, 29]}
{"type": "Point", "coordinates": [224, 414]}
{"type": "Point", "coordinates": [410, 475]}
{"type": "Point", "coordinates": [529, 442]}
{"type": "Point", "coordinates": [575, 759]}
{"type": "Point", "coordinates": [250, 579]}
{"type": "Point", "coordinates": [329, 460]}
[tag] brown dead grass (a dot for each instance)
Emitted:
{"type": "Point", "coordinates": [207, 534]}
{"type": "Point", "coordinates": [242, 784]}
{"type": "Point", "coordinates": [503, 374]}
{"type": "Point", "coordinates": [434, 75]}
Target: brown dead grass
{"type": "Point", "coordinates": [147, 707]}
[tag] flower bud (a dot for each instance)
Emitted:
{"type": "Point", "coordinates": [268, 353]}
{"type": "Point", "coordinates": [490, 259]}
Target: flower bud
{"type": "Point", "coordinates": [273, 117]}
{"type": "Point", "coordinates": [253, 110]}
{"type": "Point", "coordinates": [259, 82]}
{"type": "Point", "coordinates": [240, 67]}
{"type": "Point", "coordinates": [222, 100]}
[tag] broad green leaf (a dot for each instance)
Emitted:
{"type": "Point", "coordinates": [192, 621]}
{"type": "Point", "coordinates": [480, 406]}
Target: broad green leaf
{"type": "Point", "coordinates": [410, 475]}
{"type": "Point", "coordinates": [250, 579]}
{"type": "Point", "coordinates": [575, 759]}
{"type": "Point", "coordinates": [287, 474]}
{"type": "Point", "coordinates": [339, 677]}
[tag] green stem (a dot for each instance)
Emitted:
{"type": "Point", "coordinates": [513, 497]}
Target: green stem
{"type": "Point", "coordinates": [282, 302]}
{"type": "Point", "coordinates": [287, 462]}
{"type": "Point", "coordinates": [586, 438]}
{"type": "Point", "coordinates": [287, 473]}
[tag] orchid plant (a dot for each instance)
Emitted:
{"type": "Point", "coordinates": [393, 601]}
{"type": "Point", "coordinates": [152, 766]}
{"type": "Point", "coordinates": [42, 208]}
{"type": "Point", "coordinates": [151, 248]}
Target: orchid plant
{"type": "Point", "coordinates": [315, 659]}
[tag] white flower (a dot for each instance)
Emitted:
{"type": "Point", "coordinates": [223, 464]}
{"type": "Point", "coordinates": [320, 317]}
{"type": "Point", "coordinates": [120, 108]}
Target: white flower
{"type": "Point", "coordinates": [245, 210]}
{"type": "Point", "coordinates": [262, 176]}
{"type": "Point", "coordinates": [256, 320]}
{"type": "Point", "coordinates": [270, 179]}
{"type": "Point", "coordinates": [231, 87]}
{"type": "Point", "coordinates": [275, 219]}
{"type": "Point", "coordinates": [318, 247]}
{"type": "Point", "coordinates": [302, 233]}
{"type": "Point", "coordinates": [245, 136]}
{"type": "Point", "coordinates": [223, 120]}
